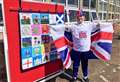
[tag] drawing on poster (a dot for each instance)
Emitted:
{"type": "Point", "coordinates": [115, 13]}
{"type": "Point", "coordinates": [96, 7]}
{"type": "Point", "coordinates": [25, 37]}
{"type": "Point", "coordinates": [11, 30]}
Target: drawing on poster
{"type": "Point", "coordinates": [25, 30]}
{"type": "Point", "coordinates": [25, 18]}
{"type": "Point", "coordinates": [45, 28]}
{"type": "Point", "coordinates": [37, 46]}
{"type": "Point", "coordinates": [36, 40]}
{"type": "Point", "coordinates": [26, 42]}
{"type": "Point", "coordinates": [26, 52]}
{"type": "Point", "coordinates": [44, 17]}
{"type": "Point", "coordinates": [36, 18]}
{"type": "Point", "coordinates": [36, 29]}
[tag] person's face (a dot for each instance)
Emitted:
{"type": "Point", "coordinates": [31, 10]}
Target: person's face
{"type": "Point", "coordinates": [80, 19]}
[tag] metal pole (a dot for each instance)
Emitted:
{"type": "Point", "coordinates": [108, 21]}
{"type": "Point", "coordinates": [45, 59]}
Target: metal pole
{"type": "Point", "coordinates": [108, 8]}
{"type": "Point", "coordinates": [89, 10]}
{"type": "Point", "coordinates": [97, 9]}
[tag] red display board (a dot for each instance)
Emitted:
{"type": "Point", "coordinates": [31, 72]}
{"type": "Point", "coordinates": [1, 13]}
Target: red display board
{"type": "Point", "coordinates": [11, 13]}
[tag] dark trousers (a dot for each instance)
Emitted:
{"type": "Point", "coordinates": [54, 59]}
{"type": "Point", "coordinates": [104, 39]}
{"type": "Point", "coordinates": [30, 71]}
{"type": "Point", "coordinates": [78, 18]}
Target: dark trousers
{"type": "Point", "coordinates": [78, 57]}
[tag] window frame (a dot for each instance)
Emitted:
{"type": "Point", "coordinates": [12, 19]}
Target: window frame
{"type": "Point", "coordinates": [2, 26]}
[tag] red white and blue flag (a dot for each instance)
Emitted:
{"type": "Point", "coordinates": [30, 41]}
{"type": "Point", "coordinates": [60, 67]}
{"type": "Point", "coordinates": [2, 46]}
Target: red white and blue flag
{"type": "Point", "coordinates": [101, 45]}
{"type": "Point", "coordinates": [57, 32]}
{"type": "Point", "coordinates": [102, 41]}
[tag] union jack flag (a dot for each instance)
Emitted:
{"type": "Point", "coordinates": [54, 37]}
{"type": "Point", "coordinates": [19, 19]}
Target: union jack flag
{"type": "Point", "coordinates": [102, 41]}
{"type": "Point", "coordinates": [101, 38]}
{"type": "Point", "coordinates": [101, 45]}
{"type": "Point", "coordinates": [57, 32]}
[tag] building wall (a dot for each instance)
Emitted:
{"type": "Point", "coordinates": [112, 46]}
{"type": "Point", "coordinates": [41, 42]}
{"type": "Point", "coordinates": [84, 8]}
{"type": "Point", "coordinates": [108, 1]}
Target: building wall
{"type": "Point", "coordinates": [103, 9]}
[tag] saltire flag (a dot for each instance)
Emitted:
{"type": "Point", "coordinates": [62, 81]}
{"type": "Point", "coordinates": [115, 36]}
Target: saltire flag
{"type": "Point", "coordinates": [60, 18]}
{"type": "Point", "coordinates": [101, 46]}
{"type": "Point", "coordinates": [57, 32]}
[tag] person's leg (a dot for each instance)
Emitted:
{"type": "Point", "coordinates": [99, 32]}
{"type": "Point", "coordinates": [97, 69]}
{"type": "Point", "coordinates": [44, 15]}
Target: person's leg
{"type": "Point", "coordinates": [84, 63]}
{"type": "Point", "coordinates": [76, 63]}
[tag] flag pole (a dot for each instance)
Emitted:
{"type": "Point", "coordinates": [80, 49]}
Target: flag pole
{"type": "Point", "coordinates": [108, 8]}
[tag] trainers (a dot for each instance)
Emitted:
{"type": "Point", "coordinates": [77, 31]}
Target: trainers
{"type": "Point", "coordinates": [74, 79]}
{"type": "Point", "coordinates": [85, 80]}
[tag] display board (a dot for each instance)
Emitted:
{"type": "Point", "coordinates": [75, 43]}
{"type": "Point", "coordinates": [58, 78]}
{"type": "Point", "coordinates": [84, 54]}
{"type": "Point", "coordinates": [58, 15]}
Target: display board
{"type": "Point", "coordinates": [37, 46]}
{"type": "Point", "coordinates": [28, 50]}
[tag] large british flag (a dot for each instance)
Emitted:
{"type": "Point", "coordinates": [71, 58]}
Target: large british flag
{"type": "Point", "coordinates": [102, 41]}
{"type": "Point", "coordinates": [101, 45]}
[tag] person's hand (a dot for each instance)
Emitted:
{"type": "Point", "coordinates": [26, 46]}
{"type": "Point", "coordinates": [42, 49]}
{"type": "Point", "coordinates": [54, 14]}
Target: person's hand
{"type": "Point", "coordinates": [98, 25]}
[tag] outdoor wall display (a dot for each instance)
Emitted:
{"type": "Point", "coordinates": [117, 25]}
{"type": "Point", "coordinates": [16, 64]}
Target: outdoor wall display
{"type": "Point", "coordinates": [37, 45]}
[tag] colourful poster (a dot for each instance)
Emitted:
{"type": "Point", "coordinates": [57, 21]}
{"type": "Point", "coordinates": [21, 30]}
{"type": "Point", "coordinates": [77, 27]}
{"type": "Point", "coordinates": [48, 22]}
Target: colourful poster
{"type": "Point", "coordinates": [36, 43]}
{"type": "Point", "coordinates": [36, 40]}
{"type": "Point", "coordinates": [36, 51]}
{"type": "Point", "coordinates": [45, 28]}
{"type": "Point", "coordinates": [26, 52]}
{"type": "Point", "coordinates": [25, 18]}
{"type": "Point", "coordinates": [36, 29]}
{"type": "Point", "coordinates": [44, 17]}
{"type": "Point", "coordinates": [25, 30]}
{"type": "Point", "coordinates": [36, 18]}
{"type": "Point", "coordinates": [26, 42]}
{"type": "Point", "coordinates": [37, 60]}
{"type": "Point", "coordinates": [27, 63]}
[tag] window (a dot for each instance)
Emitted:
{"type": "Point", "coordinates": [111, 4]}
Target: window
{"type": "Point", "coordinates": [94, 16]}
{"type": "Point", "coordinates": [73, 2]}
{"type": "Point", "coordinates": [93, 3]}
{"type": "Point", "coordinates": [100, 16]}
{"type": "Point", "coordinates": [72, 15]}
{"type": "Point", "coordinates": [104, 16]}
{"type": "Point", "coordinates": [58, 1]}
{"type": "Point", "coordinates": [86, 3]}
{"type": "Point", "coordinates": [86, 16]}
{"type": "Point", "coordinates": [1, 16]}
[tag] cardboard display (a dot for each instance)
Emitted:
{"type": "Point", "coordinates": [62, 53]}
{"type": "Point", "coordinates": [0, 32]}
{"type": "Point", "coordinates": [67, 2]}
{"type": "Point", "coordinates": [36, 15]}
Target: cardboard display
{"type": "Point", "coordinates": [16, 39]}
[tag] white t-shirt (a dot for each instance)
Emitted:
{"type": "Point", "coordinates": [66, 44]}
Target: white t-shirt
{"type": "Point", "coordinates": [81, 34]}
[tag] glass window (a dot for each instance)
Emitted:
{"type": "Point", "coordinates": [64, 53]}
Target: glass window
{"type": "Point", "coordinates": [100, 16]}
{"type": "Point", "coordinates": [86, 3]}
{"type": "Point", "coordinates": [73, 2]}
{"type": "Point", "coordinates": [1, 16]}
{"type": "Point", "coordinates": [93, 3]}
{"type": "Point", "coordinates": [104, 16]}
{"type": "Point", "coordinates": [86, 16]}
{"type": "Point", "coordinates": [58, 1]}
{"type": "Point", "coordinates": [72, 15]}
{"type": "Point", "coordinates": [94, 15]}
{"type": "Point", "coordinates": [105, 6]}
{"type": "Point", "coordinates": [46, 0]}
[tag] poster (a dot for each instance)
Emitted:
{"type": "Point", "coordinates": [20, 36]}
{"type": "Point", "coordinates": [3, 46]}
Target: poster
{"type": "Point", "coordinates": [37, 46]}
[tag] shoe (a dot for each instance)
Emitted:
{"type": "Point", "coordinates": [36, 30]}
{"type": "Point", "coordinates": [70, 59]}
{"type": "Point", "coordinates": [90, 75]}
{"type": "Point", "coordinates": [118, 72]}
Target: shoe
{"type": "Point", "coordinates": [85, 80]}
{"type": "Point", "coordinates": [74, 79]}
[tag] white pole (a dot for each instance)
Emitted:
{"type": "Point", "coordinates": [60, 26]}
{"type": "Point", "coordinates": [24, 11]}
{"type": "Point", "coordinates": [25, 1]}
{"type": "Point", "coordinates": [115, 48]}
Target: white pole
{"type": "Point", "coordinates": [90, 10]}
{"type": "Point", "coordinates": [6, 45]}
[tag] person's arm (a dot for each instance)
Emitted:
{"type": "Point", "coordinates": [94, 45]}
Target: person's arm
{"type": "Point", "coordinates": [95, 25]}
{"type": "Point", "coordinates": [68, 27]}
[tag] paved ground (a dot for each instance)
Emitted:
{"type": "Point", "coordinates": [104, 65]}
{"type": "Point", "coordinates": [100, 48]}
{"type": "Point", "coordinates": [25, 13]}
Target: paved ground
{"type": "Point", "coordinates": [99, 71]}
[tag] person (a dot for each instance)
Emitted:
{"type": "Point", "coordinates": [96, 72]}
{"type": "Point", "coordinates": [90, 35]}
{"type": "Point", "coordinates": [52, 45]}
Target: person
{"type": "Point", "coordinates": [81, 42]}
